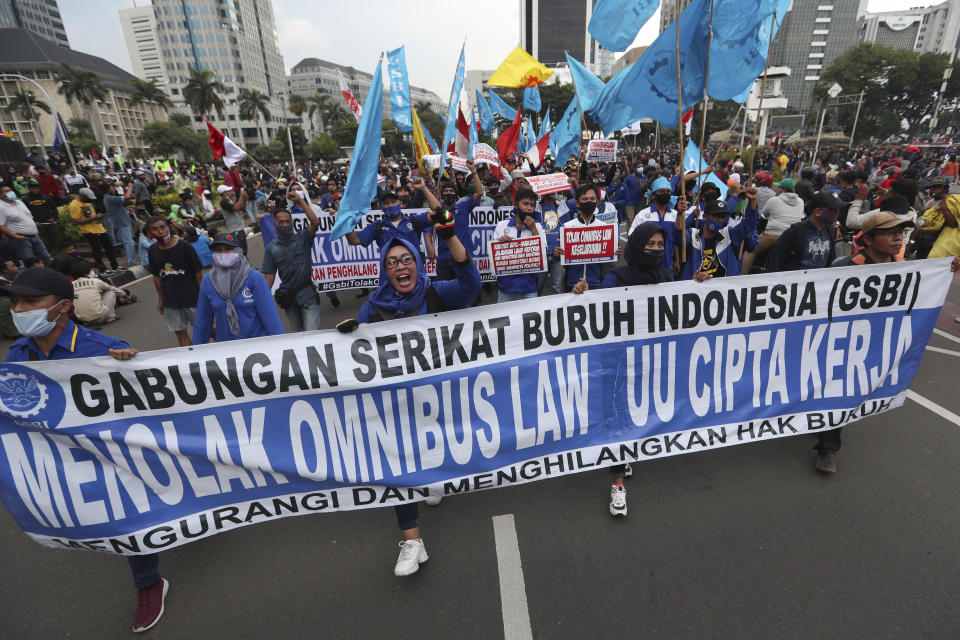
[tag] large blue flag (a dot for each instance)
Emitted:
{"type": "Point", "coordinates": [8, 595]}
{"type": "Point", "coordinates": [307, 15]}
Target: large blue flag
{"type": "Point", "coordinates": [362, 181]}
{"type": "Point", "coordinates": [473, 133]}
{"type": "Point", "coordinates": [589, 86]}
{"type": "Point", "coordinates": [450, 130]}
{"type": "Point", "coordinates": [615, 23]}
{"type": "Point", "coordinates": [486, 113]}
{"type": "Point", "coordinates": [430, 141]}
{"type": "Point", "coordinates": [545, 125]}
{"type": "Point", "coordinates": [738, 53]}
{"type": "Point", "coordinates": [500, 107]}
{"type": "Point", "coordinates": [531, 99]}
{"type": "Point", "coordinates": [531, 136]}
{"type": "Point", "coordinates": [693, 161]}
{"type": "Point", "coordinates": [566, 134]}
{"type": "Point", "coordinates": [399, 89]}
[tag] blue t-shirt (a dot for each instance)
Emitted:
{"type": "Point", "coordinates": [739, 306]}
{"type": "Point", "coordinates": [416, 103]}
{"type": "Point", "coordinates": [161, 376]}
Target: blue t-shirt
{"type": "Point", "coordinates": [293, 262]}
{"type": "Point", "coordinates": [461, 226]}
{"type": "Point", "coordinates": [409, 228]}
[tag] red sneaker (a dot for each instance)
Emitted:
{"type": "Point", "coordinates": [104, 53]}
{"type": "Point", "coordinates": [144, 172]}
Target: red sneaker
{"type": "Point", "coordinates": [150, 605]}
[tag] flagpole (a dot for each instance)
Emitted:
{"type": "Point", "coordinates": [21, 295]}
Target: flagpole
{"type": "Point", "coordinates": [683, 222]}
{"type": "Point", "coordinates": [726, 138]}
{"type": "Point", "coordinates": [706, 100]}
{"type": "Point", "coordinates": [763, 90]}
{"type": "Point", "coordinates": [583, 120]}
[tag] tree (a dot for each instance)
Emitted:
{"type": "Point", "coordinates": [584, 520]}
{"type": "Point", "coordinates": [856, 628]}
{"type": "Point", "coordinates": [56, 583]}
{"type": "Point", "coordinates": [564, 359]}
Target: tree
{"type": "Point", "coordinates": [25, 105]}
{"type": "Point", "coordinates": [323, 147]}
{"type": "Point", "coordinates": [297, 104]}
{"type": "Point", "coordinates": [181, 119]}
{"type": "Point", "coordinates": [81, 86]}
{"type": "Point", "coordinates": [319, 104]}
{"type": "Point", "coordinates": [430, 120]}
{"type": "Point", "coordinates": [165, 139]}
{"type": "Point", "coordinates": [346, 133]}
{"type": "Point", "coordinates": [393, 138]}
{"type": "Point", "coordinates": [144, 91]}
{"type": "Point", "coordinates": [898, 84]}
{"type": "Point", "coordinates": [81, 134]}
{"type": "Point", "coordinates": [253, 106]}
{"type": "Point", "coordinates": [202, 93]}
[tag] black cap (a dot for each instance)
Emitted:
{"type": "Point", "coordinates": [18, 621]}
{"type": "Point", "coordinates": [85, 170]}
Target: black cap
{"type": "Point", "coordinates": [716, 208]}
{"type": "Point", "coordinates": [231, 239]}
{"type": "Point", "coordinates": [827, 200]}
{"type": "Point", "coordinates": [40, 281]}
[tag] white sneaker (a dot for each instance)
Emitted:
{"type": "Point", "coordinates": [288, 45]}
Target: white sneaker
{"type": "Point", "coordinates": [433, 500]}
{"type": "Point", "coordinates": [618, 501]}
{"type": "Point", "coordinates": [412, 553]}
{"type": "Point", "coordinates": [627, 471]}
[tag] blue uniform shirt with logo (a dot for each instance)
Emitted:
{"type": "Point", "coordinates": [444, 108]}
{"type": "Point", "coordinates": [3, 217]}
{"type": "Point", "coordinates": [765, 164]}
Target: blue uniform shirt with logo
{"type": "Point", "coordinates": [256, 313]}
{"type": "Point", "coordinates": [409, 228]}
{"type": "Point", "coordinates": [74, 342]}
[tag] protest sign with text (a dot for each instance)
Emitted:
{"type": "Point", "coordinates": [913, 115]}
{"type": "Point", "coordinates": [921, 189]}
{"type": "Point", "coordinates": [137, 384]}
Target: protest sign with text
{"type": "Point", "coordinates": [601, 151]}
{"type": "Point", "coordinates": [176, 445]}
{"type": "Point", "coordinates": [485, 154]}
{"type": "Point", "coordinates": [520, 255]}
{"type": "Point", "coordinates": [586, 244]}
{"type": "Point", "coordinates": [549, 183]}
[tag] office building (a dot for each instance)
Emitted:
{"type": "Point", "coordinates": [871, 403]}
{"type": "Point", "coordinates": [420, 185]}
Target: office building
{"type": "Point", "coordinates": [41, 17]}
{"type": "Point", "coordinates": [236, 40]}
{"type": "Point", "coordinates": [140, 33]}
{"type": "Point", "coordinates": [934, 29]}
{"type": "Point", "coordinates": [116, 120]}
{"type": "Point", "coordinates": [550, 28]}
{"type": "Point", "coordinates": [312, 75]}
{"type": "Point", "coordinates": [628, 58]}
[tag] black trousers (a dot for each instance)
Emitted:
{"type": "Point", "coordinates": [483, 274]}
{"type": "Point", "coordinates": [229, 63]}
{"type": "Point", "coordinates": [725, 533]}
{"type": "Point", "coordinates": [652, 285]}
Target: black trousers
{"type": "Point", "coordinates": [97, 242]}
{"type": "Point", "coordinates": [829, 441]}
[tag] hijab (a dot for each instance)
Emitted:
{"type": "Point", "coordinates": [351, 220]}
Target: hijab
{"type": "Point", "coordinates": [634, 272]}
{"type": "Point", "coordinates": [387, 298]}
{"type": "Point", "coordinates": [227, 282]}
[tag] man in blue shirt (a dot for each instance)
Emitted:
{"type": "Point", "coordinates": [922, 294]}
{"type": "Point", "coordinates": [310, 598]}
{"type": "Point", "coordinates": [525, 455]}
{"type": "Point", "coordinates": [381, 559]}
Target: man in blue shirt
{"type": "Point", "coordinates": [40, 303]}
{"type": "Point", "coordinates": [395, 224]}
{"type": "Point", "coordinates": [461, 215]}
{"type": "Point", "coordinates": [522, 224]}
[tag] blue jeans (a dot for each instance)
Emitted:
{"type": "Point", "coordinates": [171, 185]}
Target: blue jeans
{"type": "Point", "coordinates": [304, 317]}
{"type": "Point", "coordinates": [408, 515]}
{"type": "Point", "coordinates": [122, 235]}
{"type": "Point", "coordinates": [146, 570]}
{"type": "Point", "coordinates": [551, 280]}
{"type": "Point", "coordinates": [506, 296]}
{"type": "Point", "coordinates": [30, 247]}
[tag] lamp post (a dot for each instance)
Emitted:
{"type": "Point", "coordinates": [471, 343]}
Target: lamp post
{"type": "Point", "coordinates": [56, 114]}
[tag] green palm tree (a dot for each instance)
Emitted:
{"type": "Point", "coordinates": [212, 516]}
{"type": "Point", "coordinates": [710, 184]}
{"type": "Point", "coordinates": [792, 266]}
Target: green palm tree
{"type": "Point", "coordinates": [320, 104]}
{"type": "Point", "coordinates": [24, 105]}
{"type": "Point", "coordinates": [253, 106]}
{"type": "Point", "coordinates": [181, 119]}
{"type": "Point", "coordinates": [297, 105]}
{"type": "Point", "coordinates": [81, 86]}
{"type": "Point", "coordinates": [144, 91]}
{"type": "Point", "coordinates": [202, 93]}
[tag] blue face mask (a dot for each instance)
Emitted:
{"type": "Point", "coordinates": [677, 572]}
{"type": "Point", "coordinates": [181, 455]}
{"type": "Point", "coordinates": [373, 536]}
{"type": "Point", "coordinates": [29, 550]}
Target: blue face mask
{"type": "Point", "coordinates": [392, 212]}
{"type": "Point", "coordinates": [34, 324]}
{"type": "Point", "coordinates": [11, 195]}
{"type": "Point", "coordinates": [713, 226]}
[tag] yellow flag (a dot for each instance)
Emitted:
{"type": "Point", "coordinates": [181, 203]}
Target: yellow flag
{"type": "Point", "coordinates": [420, 146]}
{"type": "Point", "coordinates": [520, 69]}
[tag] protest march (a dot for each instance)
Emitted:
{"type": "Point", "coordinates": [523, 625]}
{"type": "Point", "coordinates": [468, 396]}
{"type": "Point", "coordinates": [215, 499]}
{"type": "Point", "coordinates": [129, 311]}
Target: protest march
{"type": "Point", "coordinates": [554, 289]}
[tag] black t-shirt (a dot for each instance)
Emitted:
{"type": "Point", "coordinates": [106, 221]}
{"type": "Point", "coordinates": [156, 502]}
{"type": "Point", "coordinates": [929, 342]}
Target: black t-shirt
{"type": "Point", "coordinates": [711, 261]}
{"type": "Point", "coordinates": [41, 207]}
{"type": "Point", "coordinates": [176, 267]}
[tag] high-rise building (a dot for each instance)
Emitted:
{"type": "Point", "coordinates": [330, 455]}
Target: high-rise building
{"type": "Point", "coordinates": [551, 28]}
{"type": "Point", "coordinates": [312, 75]}
{"type": "Point", "coordinates": [140, 33]}
{"type": "Point", "coordinates": [41, 17]}
{"type": "Point", "coordinates": [933, 29]}
{"type": "Point", "coordinates": [237, 40]}
{"type": "Point", "coordinates": [812, 35]}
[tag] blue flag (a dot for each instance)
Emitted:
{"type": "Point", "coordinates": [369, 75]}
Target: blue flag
{"type": "Point", "coordinates": [738, 53]}
{"type": "Point", "coordinates": [693, 161]}
{"type": "Point", "coordinates": [362, 181]}
{"type": "Point", "coordinates": [450, 131]}
{"type": "Point", "coordinates": [566, 134]}
{"type": "Point", "coordinates": [545, 125]}
{"type": "Point", "coordinates": [615, 23]}
{"type": "Point", "coordinates": [648, 87]}
{"type": "Point", "coordinates": [399, 89]}
{"type": "Point", "coordinates": [500, 107]}
{"type": "Point", "coordinates": [430, 141]}
{"type": "Point", "coordinates": [589, 87]}
{"type": "Point", "coordinates": [531, 137]}
{"type": "Point", "coordinates": [531, 99]}
{"type": "Point", "coordinates": [486, 114]}
{"type": "Point", "coordinates": [473, 133]}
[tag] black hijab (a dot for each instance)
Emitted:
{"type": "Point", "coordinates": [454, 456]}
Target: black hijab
{"type": "Point", "coordinates": [634, 272]}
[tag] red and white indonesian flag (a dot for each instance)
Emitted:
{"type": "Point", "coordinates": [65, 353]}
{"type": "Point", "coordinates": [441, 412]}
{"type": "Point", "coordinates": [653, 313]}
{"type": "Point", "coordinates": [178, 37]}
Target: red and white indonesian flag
{"type": "Point", "coordinates": [352, 102]}
{"type": "Point", "coordinates": [224, 147]}
{"type": "Point", "coordinates": [462, 141]}
{"type": "Point", "coordinates": [538, 152]}
{"type": "Point", "coordinates": [688, 120]}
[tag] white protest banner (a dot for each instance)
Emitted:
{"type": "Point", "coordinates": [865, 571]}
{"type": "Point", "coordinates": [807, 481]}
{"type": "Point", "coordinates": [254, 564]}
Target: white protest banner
{"type": "Point", "coordinates": [549, 183]}
{"type": "Point", "coordinates": [485, 154]}
{"type": "Point", "coordinates": [138, 456]}
{"type": "Point", "coordinates": [588, 244]}
{"type": "Point", "coordinates": [523, 255]}
{"type": "Point", "coordinates": [458, 163]}
{"type": "Point", "coordinates": [601, 151]}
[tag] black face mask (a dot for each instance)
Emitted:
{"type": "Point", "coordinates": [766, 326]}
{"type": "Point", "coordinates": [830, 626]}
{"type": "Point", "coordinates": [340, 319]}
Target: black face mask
{"type": "Point", "coordinates": [449, 199]}
{"type": "Point", "coordinates": [285, 232]}
{"type": "Point", "coordinates": [662, 198]}
{"type": "Point", "coordinates": [587, 208]}
{"type": "Point", "coordinates": [651, 258]}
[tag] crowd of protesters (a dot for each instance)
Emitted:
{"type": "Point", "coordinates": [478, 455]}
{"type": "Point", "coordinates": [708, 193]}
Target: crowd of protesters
{"type": "Point", "coordinates": [786, 211]}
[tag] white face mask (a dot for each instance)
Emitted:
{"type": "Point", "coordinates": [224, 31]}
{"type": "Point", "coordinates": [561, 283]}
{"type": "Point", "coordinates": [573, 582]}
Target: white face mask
{"type": "Point", "coordinates": [226, 260]}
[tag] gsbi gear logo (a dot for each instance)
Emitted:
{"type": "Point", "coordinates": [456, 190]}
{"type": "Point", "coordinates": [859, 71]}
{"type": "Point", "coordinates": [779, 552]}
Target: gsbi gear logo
{"type": "Point", "coordinates": [27, 395]}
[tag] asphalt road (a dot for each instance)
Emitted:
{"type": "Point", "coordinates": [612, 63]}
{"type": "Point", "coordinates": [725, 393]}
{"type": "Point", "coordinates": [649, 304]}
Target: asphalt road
{"type": "Point", "coordinates": [743, 542]}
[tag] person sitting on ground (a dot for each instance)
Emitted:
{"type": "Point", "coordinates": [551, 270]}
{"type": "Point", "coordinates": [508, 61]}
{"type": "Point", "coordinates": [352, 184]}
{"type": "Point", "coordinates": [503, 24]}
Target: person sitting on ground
{"type": "Point", "coordinates": [94, 301]}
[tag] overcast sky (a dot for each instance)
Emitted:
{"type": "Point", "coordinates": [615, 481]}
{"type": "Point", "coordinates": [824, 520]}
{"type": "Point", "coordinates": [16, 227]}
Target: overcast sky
{"type": "Point", "coordinates": [354, 32]}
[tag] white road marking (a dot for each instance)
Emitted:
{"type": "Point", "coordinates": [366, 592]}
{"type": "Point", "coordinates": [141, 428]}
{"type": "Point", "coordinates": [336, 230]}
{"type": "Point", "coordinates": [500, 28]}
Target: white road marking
{"type": "Point", "coordinates": [930, 405]}
{"type": "Point", "coordinates": [513, 592]}
{"type": "Point", "coordinates": [948, 336]}
{"type": "Point", "coordinates": [949, 352]}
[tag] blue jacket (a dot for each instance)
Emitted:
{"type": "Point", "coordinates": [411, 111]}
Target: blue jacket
{"type": "Point", "coordinates": [255, 311]}
{"type": "Point", "coordinates": [520, 282]}
{"type": "Point", "coordinates": [633, 191]}
{"type": "Point", "coordinates": [737, 231]}
{"type": "Point", "coordinates": [202, 246]}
